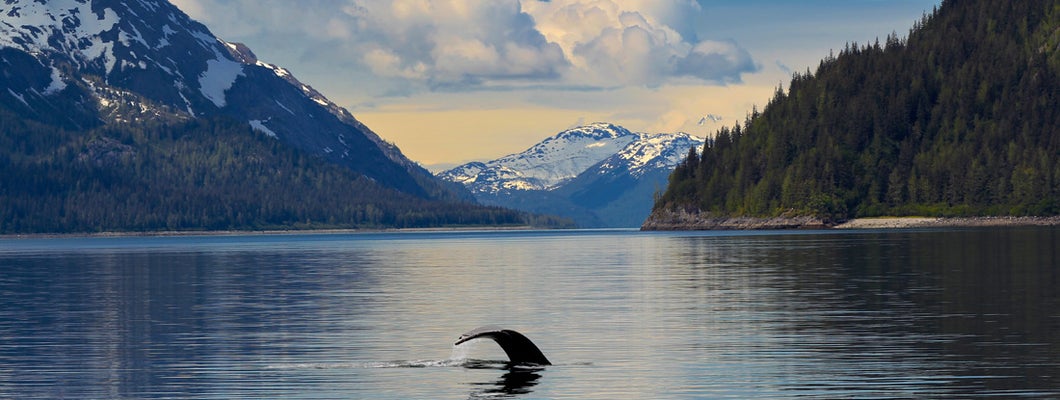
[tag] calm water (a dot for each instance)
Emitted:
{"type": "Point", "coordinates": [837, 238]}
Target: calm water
{"type": "Point", "coordinates": [899, 314]}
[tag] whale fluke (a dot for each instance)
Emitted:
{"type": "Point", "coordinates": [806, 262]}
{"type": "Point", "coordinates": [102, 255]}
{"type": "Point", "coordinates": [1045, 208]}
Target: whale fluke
{"type": "Point", "coordinates": [520, 350]}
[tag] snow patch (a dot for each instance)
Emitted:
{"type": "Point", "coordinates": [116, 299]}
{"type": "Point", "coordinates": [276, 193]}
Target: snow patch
{"type": "Point", "coordinates": [97, 49]}
{"type": "Point", "coordinates": [57, 85]}
{"type": "Point", "coordinates": [68, 26]}
{"type": "Point", "coordinates": [279, 71]}
{"type": "Point", "coordinates": [259, 126]}
{"type": "Point", "coordinates": [284, 107]}
{"type": "Point", "coordinates": [180, 90]}
{"type": "Point", "coordinates": [219, 76]}
{"type": "Point", "coordinates": [126, 39]}
{"type": "Point", "coordinates": [19, 97]}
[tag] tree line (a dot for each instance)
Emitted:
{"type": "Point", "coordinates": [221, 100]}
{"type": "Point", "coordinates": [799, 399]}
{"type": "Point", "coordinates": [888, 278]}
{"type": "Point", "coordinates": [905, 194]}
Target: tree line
{"type": "Point", "coordinates": [960, 118]}
{"type": "Point", "coordinates": [204, 174]}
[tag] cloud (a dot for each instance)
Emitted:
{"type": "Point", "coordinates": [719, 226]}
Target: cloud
{"type": "Point", "coordinates": [447, 42]}
{"type": "Point", "coordinates": [637, 42]}
{"type": "Point", "coordinates": [783, 67]}
{"type": "Point", "coordinates": [489, 44]}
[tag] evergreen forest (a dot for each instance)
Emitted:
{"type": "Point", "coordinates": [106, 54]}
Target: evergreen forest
{"type": "Point", "coordinates": [961, 117]}
{"type": "Point", "coordinates": [203, 174]}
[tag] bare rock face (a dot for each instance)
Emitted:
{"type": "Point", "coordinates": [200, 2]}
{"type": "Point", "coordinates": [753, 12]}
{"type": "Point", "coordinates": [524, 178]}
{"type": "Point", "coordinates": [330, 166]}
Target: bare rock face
{"type": "Point", "coordinates": [106, 152]}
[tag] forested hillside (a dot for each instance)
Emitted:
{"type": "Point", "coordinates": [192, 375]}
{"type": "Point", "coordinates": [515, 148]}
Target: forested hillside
{"type": "Point", "coordinates": [960, 118]}
{"type": "Point", "coordinates": [203, 174]}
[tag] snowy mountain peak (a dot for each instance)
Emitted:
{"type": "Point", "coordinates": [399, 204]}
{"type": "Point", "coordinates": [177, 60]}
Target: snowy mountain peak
{"type": "Point", "coordinates": [145, 46]}
{"type": "Point", "coordinates": [652, 152]}
{"type": "Point", "coordinates": [547, 164]}
{"type": "Point", "coordinates": [560, 158]}
{"type": "Point", "coordinates": [125, 60]}
{"type": "Point", "coordinates": [595, 131]}
{"type": "Point", "coordinates": [600, 175]}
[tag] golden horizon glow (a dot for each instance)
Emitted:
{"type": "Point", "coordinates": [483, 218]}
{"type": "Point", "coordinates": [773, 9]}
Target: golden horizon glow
{"type": "Point", "coordinates": [433, 135]}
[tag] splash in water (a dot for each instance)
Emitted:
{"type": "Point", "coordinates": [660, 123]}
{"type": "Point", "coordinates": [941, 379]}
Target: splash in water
{"type": "Point", "coordinates": [458, 358]}
{"type": "Point", "coordinates": [461, 351]}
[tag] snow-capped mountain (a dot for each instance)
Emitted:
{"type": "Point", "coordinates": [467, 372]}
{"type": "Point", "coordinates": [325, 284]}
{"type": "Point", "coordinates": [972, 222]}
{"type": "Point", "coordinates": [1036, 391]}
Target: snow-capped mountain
{"type": "Point", "coordinates": [547, 164]}
{"type": "Point", "coordinates": [599, 174]}
{"type": "Point", "coordinates": [650, 152]}
{"type": "Point", "coordinates": [82, 63]}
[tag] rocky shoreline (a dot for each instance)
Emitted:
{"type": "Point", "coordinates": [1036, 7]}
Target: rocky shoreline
{"type": "Point", "coordinates": [946, 222]}
{"type": "Point", "coordinates": [682, 220]}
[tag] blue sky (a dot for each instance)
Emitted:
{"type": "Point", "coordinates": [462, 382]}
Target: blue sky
{"type": "Point", "coordinates": [451, 81]}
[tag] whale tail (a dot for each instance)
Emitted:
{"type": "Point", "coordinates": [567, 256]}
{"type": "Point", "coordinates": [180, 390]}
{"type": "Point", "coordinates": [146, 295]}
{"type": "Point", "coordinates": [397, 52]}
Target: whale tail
{"type": "Point", "coordinates": [519, 348]}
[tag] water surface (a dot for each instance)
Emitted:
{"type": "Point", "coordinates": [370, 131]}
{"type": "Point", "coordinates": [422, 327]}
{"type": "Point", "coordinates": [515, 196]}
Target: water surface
{"type": "Point", "coordinates": [866, 314]}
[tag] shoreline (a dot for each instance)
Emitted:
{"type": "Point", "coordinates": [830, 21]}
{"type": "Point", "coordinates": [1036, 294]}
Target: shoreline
{"type": "Point", "coordinates": [264, 232]}
{"type": "Point", "coordinates": [946, 222]}
{"type": "Point", "coordinates": [682, 220]}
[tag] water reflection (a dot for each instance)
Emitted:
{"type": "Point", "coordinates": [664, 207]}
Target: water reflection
{"type": "Point", "coordinates": [898, 313]}
{"type": "Point", "coordinates": [913, 314]}
{"type": "Point", "coordinates": [149, 323]}
{"type": "Point", "coordinates": [516, 380]}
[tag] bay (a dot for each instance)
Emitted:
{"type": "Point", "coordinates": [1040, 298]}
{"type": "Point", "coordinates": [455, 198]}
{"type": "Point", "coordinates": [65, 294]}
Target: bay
{"type": "Point", "coordinates": [622, 314]}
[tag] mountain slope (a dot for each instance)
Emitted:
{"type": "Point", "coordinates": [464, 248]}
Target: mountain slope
{"type": "Point", "coordinates": [151, 58]}
{"type": "Point", "coordinates": [205, 174]}
{"type": "Point", "coordinates": [601, 175]}
{"type": "Point", "coordinates": [128, 115]}
{"type": "Point", "coordinates": [962, 118]}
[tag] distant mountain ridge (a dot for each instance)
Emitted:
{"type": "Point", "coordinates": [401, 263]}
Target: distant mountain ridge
{"type": "Point", "coordinates": [547, 164]}
{"type": "Point", "coordinates": [600, 174]}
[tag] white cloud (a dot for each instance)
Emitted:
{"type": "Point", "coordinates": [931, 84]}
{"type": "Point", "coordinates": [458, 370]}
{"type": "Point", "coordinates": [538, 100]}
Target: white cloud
{"type": "Point", "coordinates": [469, 44]}
{"type": "Point", "coordinates": [451, 42]}
{"type": "Point", "coordinates": [630, 42]}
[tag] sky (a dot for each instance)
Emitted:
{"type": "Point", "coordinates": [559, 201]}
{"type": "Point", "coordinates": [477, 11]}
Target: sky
{"type": "Point", "coordinates": [452, 81]}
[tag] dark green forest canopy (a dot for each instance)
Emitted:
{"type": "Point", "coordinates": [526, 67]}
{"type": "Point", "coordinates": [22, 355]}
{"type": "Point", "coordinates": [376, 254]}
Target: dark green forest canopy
{"type": "Point", "coordinates": [206, 174]}
{"type": "Point", "coordinates": [961, 118]}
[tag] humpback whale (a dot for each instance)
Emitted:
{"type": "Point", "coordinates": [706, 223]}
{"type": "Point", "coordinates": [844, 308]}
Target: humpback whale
{"type": "Point", "coordinates": [520, 350]}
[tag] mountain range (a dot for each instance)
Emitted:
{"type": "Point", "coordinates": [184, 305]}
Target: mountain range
{"type": "Point", "coordinates": [100, 79]}
{"type": "Point", "coordinates": [599, 175]}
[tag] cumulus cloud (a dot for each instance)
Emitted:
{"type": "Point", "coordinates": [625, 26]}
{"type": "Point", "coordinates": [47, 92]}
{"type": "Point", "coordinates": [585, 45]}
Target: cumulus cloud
{"type": "Point", "coordinates": [638, 42]}
{"type": "Point", "coordinates": [470, 44]}
{"type": "Point", "coordinates": [444, 42]}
